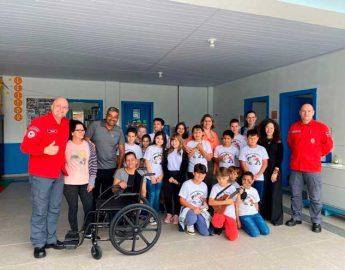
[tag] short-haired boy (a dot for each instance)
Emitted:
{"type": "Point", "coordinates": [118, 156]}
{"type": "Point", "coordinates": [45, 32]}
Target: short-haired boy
{"type": "Point", "coordinates": [141, 131]}
{"type": "Point", "coordinates": [226, 155]}
{"type": "Point", "coordinates": [234, 176]}
{"type": "Point", "coordinates": [158, 125]}
{"type": "Point", "coordinates": [248, 217]}
{"type": "Point", "coordinates": [253, 158]}
{"type": "Point", "coordinates": [224, 208]}
{"type": "Point", "coordinates": [193, 197]}
{"type": "Point", "coordinates": [239, 141]}
{"type": "Point", "coordinates": [131, 146]}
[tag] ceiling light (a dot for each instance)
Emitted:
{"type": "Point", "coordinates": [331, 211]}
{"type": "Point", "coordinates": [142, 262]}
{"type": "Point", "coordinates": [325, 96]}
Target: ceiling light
{"type": "Point", "coordinates": [212, 42]}
{"type": "Point", "coordinates": [160, 74]}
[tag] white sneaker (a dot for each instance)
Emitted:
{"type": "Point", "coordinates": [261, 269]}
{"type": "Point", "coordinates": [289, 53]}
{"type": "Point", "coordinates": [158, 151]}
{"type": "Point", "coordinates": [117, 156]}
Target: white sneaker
{"type": "Point", "coordinates": [152, 221]}
{"type": "Point", "coordinates": [190, 230]}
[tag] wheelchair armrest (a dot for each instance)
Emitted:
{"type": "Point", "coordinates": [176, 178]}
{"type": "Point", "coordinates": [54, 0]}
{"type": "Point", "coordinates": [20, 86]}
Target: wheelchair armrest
{"type": "Point", "coordinates": [105, 191]}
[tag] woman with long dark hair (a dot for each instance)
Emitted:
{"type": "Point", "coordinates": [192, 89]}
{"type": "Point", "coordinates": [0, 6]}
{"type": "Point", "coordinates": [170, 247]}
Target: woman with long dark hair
{"type": "Point", "coordinates": [272, 206]}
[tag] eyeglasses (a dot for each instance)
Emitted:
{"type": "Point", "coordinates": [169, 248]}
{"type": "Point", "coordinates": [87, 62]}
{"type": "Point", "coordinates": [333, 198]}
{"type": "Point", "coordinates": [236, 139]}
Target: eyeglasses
{"type": "Point", "coordinates": [80, 130]}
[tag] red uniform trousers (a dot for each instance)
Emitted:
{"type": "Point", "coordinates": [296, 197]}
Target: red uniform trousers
{"type": "Point", "coordinates": [230, 225]}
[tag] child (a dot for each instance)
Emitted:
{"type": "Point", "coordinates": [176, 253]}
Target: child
{"type": "Point", "coordinates": [239, 141]}
{"type": "Point", "coordinates": [234, 175]}
{"type": "Point", "coordinates": [247, 210]}
{"type": "Point", "coordinates": [193, 196]}
{"type": "Point", "coordinates": [130, 145]}
{"type": "Point", "coordinates": [226, 155]}
{"type": "Point", "coordinates": [199, 150]}
{"type": "Point", "coordinates": [158, 125]}
{"type": "Point", "coordinates": [253, 158]}
{"type": "Point", "coordinates": [141, 131]}
{"type": "Point", "coordinates": [228, 217]}
{"type": "Point", "coordinates": [153, 162]}
{"type": "Point", "coordinates": [145, 143]}
{"type": "Point", "coordinates": [175, 163]}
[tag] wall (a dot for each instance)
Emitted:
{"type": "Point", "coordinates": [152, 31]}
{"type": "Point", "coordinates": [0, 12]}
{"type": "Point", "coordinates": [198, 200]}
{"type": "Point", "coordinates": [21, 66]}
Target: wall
{"type": "Point", "coordinates": [165, 100]}
{"type": "Point", "coordinates": [326, 73]}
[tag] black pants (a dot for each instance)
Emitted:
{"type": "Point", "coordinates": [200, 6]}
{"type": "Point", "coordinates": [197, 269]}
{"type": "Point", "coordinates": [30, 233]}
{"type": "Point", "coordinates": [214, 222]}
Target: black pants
{"type": "Point", "coordinates": [71, 193]}
{"type": "Point", "coordinates": [171, 191]}
{"type": "Point", "coordinates": [104, 179]}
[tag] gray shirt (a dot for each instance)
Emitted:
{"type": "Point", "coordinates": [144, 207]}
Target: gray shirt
{"type": "Point", "coordinates": [107, 142]}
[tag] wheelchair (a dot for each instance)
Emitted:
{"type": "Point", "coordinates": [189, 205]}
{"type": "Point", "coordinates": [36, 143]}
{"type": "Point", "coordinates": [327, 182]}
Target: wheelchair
{"type": "Point", "coordinates": [134, 226]}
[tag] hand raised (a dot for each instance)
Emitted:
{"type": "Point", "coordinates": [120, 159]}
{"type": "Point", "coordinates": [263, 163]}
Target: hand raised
{"type": "Point", "coordinates": [51, 149]}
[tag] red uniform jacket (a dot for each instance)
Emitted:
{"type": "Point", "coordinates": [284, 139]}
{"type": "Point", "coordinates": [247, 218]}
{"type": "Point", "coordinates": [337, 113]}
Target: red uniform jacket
{"type": "Point", "coordinates": [43, 131]}
{"type": "Point", "coordinates": [308, 143]}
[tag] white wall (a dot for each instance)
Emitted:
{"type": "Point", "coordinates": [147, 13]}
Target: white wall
{"type": "Point", "coordinates": [194, 101]}
{"type": "Point", "coordinates": [326, 73]}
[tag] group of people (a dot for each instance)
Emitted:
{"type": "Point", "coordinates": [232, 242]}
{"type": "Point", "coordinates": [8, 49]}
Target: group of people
{"type": "Point", "coordinates": [200, 182]}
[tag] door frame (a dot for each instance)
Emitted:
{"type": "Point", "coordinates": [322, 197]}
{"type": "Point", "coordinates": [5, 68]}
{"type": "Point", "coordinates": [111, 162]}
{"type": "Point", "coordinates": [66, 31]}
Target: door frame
{"type": "Point", "coordinates": [285, 99]}
{"type": "Point", "coordinates": [98, 101]}
{"type": "Point", "coordinates": [248, 104]}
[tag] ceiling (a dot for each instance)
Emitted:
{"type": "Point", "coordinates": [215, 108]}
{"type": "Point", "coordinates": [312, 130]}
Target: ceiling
{"type": "Point", "coordinates": [133, 40]}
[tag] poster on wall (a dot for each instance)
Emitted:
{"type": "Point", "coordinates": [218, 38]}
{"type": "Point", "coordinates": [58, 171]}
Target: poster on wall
{"type": "Point", "coordinates": [36, 107]}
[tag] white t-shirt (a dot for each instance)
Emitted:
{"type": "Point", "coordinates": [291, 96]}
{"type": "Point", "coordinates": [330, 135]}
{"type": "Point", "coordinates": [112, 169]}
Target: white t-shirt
{"type": "Point", "coordinates": [193, 193]}
{"type": "Point", "coordinates": [239, 141]}
{"type": "Point", "coordinates": [247, 206]}
{"type": "Point", "coordinates": [134, 148]}
{"type": "Point", "coordinates": [175, 160]}
{"type": "Point", "coordinates": [230, 153]}
{"type": "Point", "coordinates": [197, 156]}
{"type": "Point", "coordinates": [154, 154]}
{"type": "Point", "coordinates": [230, 209]}
{"type": "Point", "coordinates": [254, 157]}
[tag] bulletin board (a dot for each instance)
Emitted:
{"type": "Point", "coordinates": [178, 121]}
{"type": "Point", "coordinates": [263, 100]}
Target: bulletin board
{"type": "Point", "coordinates": [37, 106]}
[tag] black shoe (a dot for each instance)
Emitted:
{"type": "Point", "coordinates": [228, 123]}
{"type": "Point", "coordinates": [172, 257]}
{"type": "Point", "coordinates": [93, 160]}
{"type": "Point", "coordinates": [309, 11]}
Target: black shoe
{"type": "Point", "coordinates": [316, 227]}
{"type": "Point", "coordinates": [57, 245]}
{"type": "Point", "coordinates": [39, 252]}
{"type": "Point", "coordinates": [293, 222]}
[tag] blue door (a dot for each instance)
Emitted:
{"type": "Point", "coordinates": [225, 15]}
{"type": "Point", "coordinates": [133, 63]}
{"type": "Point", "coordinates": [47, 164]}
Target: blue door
{"type": "Point", "coordinates": [135, 113]}
{"type": "Point", "coordinates": [290, 104]}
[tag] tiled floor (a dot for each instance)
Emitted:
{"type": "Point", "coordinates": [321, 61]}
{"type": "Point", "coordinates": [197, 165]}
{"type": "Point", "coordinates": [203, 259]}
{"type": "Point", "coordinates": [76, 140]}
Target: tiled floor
{"type": "Point", "coordinates": [285, 248]}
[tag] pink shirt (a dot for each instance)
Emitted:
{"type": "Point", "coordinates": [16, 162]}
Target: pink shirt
{"type": "Point", "coordinates": [77, 163]}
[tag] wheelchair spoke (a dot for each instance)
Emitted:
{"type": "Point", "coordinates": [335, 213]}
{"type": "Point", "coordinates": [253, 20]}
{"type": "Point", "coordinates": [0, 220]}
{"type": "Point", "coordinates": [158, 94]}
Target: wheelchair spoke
{"type": "Point", "coordinates": [144, 239]}
{"type": "Point", "coordinates": [133, 243]}
{"type": "Point", "coordinates": [128, 220]}
{"type": "Point", "coordinates": [149, 229]}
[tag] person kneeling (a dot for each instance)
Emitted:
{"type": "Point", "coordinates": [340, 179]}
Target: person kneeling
{"type": "Point", "coordinates": [247, 210]}
{"type": "Point", "coordinates": [193, 195]}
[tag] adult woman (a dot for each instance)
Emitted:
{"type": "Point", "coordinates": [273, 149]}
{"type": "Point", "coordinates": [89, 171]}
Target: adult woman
{"type": "Point", "coordinates": [81, 166]}
{"type": "Point", "coordinates": [207, 124]}
{"type": "Point", "coordinates": [181, 129]}
{"type": "Point", "coordinates": [272, 207]}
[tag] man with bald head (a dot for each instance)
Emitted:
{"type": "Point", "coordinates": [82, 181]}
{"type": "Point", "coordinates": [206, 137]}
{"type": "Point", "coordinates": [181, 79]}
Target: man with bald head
{"type": "Point", "coordinates": [309, 141]}
{"type": "Point", "coordinates": [45, 142]}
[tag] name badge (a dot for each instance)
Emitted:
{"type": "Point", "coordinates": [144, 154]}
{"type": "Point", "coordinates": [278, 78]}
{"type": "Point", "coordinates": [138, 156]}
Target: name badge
{"type": "Point", "coordinates": [52, 131]}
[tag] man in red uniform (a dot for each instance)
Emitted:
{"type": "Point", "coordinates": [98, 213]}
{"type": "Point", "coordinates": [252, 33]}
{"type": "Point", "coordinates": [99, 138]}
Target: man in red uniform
{"type": "Point", "coordinates": [309, 140]}
{"type": "Point", "coordinates": [45, 142]}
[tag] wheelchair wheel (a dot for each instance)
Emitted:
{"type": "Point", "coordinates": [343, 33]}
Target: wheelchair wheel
{"type": "Point", "coordinates": [96, 252]}
{"type": "Point", "coordinates": [135, 229]}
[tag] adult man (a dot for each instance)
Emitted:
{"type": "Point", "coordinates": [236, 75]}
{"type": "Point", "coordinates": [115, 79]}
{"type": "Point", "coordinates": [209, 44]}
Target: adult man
{"type": "Point", "coordinates": [250, 122]}
{"type": "Point", "coordinates": [45, 142]}
{"type": "Point", "coordinates": [308, 140]}
{"type": "Point", "coordinates": [108, 138]}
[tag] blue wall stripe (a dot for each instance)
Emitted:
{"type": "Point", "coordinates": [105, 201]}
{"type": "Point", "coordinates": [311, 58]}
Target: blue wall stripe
{"type": "Point", "coordinates": [15, 162]}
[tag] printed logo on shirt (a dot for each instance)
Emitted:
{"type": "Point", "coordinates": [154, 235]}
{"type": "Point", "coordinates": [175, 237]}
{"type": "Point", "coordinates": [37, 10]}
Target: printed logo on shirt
{"type": "Point", "coordinates": [236, 144]}
{"type": "Point", "coordinates": [198, 198]}
{"type": "Point", "coordinates": [197, 154]}
{"type": "Point", "coordinates": [296, 131]}
{"type": "Point", "coordinates": [253, 159]}
{"type": "Point", "coordinates": [52, 131]}
{"type": "Point", "coordinates": [31, 134]}
{"type": "Point", "coordinates": [157, 158]}
{"type": "Point", "coordinates": [227, 158]}
{"type": "Point", "coordinates": [312, 140]}
{"type": "Point", "coordinates": [249, 200]}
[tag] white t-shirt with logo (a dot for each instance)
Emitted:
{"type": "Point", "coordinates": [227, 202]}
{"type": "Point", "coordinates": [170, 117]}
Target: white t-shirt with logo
{"type": "Point", "coordinates": [247, 206]}
{"type": "Point", "coordinates": [254, 157]}
{"type": "Point", "coordinates": [193, 193]}
{"type": "Point", "coordinates": [239, 141]}
{"type": "Point", "coordinates": [230, 154]}
{"type": "Point", "coordinates": [230, 209]}
{"type": "Point", "coordinates": [154, 154]}
{"type": "Point", "coordinates": [197, 156]}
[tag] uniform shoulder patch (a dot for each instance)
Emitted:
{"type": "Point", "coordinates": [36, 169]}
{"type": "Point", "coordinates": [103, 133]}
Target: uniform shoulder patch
{"type": "Point", "coordinates": [31, 134]}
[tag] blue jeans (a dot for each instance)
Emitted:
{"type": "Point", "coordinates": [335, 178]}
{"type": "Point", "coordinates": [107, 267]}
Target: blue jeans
{"type": "Point", "coordinates": [254, 225]}
{"type": "Point", "coordinates": [153, 192]}
{"type": "Point", "coordinates": [46, 197]}
{"type": "Point", "coordinates": [198, 220]}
